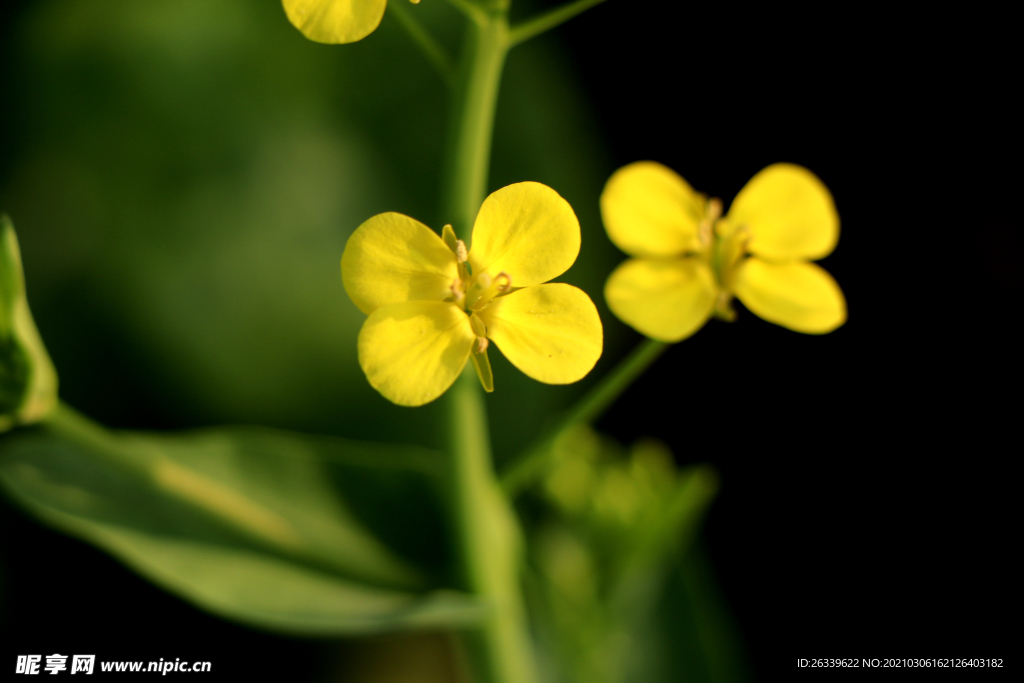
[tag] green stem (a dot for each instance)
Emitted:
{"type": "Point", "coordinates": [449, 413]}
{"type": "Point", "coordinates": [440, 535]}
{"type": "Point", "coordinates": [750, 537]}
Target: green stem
{"type": "Point", "coordinates": [468, 8]}
{"type": "Point", "coordinates": [432, 50]}
{"type": "Point", "coordinates": [479, 79]}
{"type": "Point", "coordinates": [500, 650]}
{"type": "Point", "coordinates": [535, 463]}
{"type": "Point", "coordinates": [549, 20]}
{"type": "Point", "coordinates": [488, 534]}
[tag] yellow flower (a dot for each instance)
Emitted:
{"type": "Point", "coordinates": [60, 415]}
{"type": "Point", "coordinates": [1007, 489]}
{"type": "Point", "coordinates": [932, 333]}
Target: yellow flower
{"type": "Point", "coordinates": [433, 304]}
{"type": "Point", "coordinates": [690, 262]}
{"type": "Point", "coordinates": [336, 21]}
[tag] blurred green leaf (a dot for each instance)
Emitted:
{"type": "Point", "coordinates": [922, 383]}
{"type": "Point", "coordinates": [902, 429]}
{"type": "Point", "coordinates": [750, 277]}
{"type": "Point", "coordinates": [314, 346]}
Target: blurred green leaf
{"type": "Point", "coordinates": [633, 508]}
{"type": "Point", "coordinates": [302, 534]}
{"type": "Point", "coordinates": [28, 381]}
{"type": "Point", "coordinates": [606, 555]}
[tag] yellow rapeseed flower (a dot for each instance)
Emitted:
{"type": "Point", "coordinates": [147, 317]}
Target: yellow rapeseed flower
{"type": "Point", "coordinates": [689, 261]}
{"type": "Point", "coordinates": [433, 304]}
{"type": "Point", "coordinates": [336, 21]}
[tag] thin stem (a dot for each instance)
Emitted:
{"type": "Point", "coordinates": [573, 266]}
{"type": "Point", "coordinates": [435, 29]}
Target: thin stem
{"type": "Point", "coordinates": [69, 423]}
{"type": "Point", "coordinates": [433, 51]}
{"type": "Point", "coordinates": [536, 461]}
{"type": "Point", "coordinates": [548, 20]}
{"type": "Point", "coordinates": [472, 11]}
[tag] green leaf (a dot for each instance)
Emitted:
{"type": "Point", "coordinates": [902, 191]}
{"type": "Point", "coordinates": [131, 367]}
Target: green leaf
{"type": "Point", "coordinates": [28, 381]}
{"type": "Point", "coordinates": [302, 534]}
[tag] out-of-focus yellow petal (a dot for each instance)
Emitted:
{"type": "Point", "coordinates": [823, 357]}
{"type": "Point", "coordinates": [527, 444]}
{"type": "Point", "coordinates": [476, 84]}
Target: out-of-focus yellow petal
{"type": "Point", "coordinates": [551, 332]}
{"type": "Point", "coordinates": [649, 210]}
{"type": "Point", "coordinates": [412, 351]}
{"type": "Point", "coordinates": [789, 212]}
{"type": "Point", "coordinates": [392, 258]}
{"type": "Point", "coordinates": [527, 231]}
{"type": "Point", "coordinates": [800, 296]}
{"type": "Point", "coordinates": [665, 300]}
{"type": "Point", "coordinates": [335, 21]}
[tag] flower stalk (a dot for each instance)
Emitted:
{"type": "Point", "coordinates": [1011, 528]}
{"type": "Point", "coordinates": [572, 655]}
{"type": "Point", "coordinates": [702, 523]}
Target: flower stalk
{"type": "Point", "coordinates": [432, 50]}
{"type": "Point", "coordinates": [549, 20]}
{"type": "Point", "coordinates": [536, 461]}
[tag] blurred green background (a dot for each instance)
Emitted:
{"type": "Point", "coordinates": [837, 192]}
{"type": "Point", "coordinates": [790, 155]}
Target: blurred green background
{"type": "Point", "coordinates": [183, 175]}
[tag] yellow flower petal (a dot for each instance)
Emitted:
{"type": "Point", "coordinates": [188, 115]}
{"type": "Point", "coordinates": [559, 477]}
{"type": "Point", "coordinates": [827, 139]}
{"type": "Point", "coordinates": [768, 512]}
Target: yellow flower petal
{"type": "Point", "coordinates": [527, 231]}
{"type": "Point", "coordinates": [551, 332]}
{"type": "Point", "coordinates": [800, 296]}
{"type": "Point", "coordinates": [412, 351]}
{"type": "Point", "coordinates": [649, 210]}
{"type": "Point", "coordinates": [335, 21]}
{"type": "Point", "coordinates": [789, 212]}
{"type": "Point", "coordinates": [392, 258]}
{"type": "Point", "coordinates": [665, 300]}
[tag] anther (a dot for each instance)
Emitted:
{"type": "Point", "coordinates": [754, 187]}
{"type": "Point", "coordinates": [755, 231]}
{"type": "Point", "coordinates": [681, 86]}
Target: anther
{"type": "Point", "coordinates": [714, 209]}
{"type": "Point", "coordinates": [704, 232]}
{"type": "Point", "coordinates": [461, 253]}
{"type": "Point", "coordinates": [481, 345]}
{"type": "Point", "coordinates": [743, 236]}
{"type": "Point", "coordinates": [503, 281]}
{"type": "Point", "coordinates": [711, 216]}
{"type": "Point", "coordinates": [458, 290]}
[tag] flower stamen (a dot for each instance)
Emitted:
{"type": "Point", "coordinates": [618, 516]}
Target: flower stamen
{"type": "Point", "coordinates": [458, 290]}
{"type": "Point", "coordinates": [488, 289]}
{"type": "Point", "coordinates": [714, 209]}
{"type": "Point", "coordinates": [711, 216]}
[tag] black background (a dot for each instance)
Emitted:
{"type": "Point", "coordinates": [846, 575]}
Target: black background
{"type": "Point", "coordinates": [866, 499]}
{"type": "Point", "coordinates": [866, 506]}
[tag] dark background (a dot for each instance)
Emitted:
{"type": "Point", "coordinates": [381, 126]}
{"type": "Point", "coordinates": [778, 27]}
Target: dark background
{"type": "Point", "coordinates": [866, 484]}
{"type": "Point", "coordinates": [867, 491]}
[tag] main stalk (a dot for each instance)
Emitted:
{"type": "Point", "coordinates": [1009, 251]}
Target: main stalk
{"type": "Point", "coordinates": [488, 533]}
